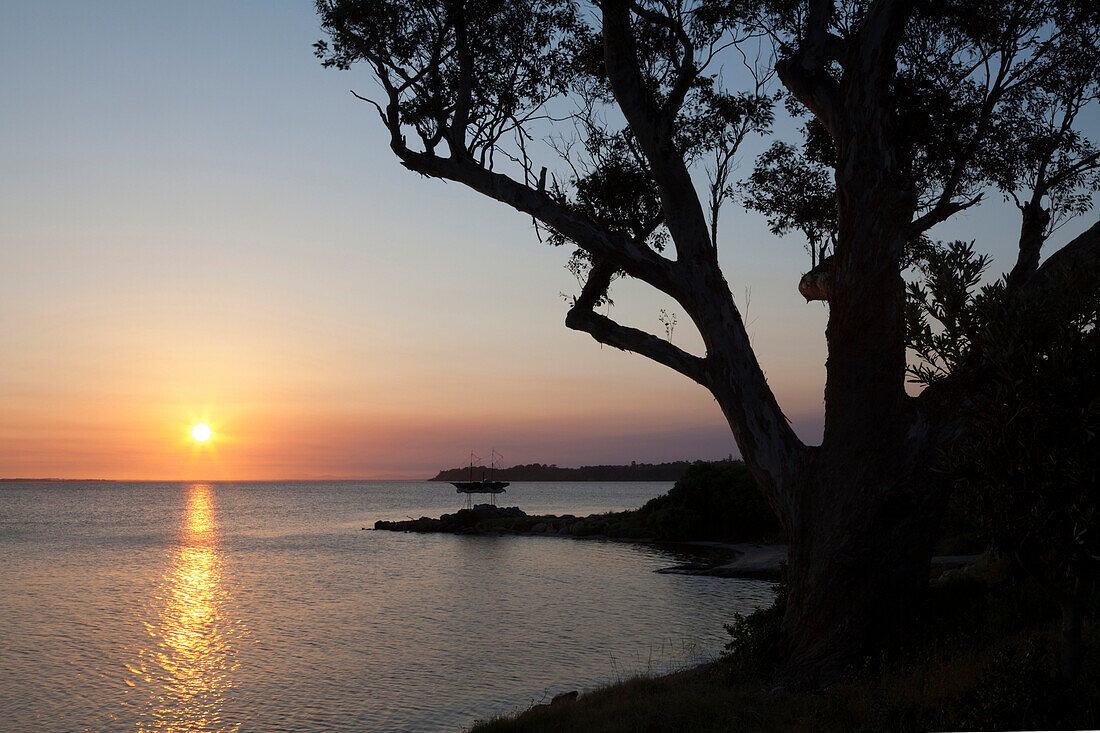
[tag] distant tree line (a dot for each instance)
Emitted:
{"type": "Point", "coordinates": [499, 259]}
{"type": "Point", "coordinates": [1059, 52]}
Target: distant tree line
{"type": "Point", "coordinates": [543, 472]}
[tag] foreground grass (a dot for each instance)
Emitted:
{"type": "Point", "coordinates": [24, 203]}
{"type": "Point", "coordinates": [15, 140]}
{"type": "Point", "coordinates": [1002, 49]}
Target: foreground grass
{"type": "Point", "coordinates": [987, 661]}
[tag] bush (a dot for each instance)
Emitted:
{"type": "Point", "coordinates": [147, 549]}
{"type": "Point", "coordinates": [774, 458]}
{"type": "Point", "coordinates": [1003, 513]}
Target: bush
{"type": "Point", "coordinates": [753, 650]}
{"type": "Point", "coordinates": [712, 501]}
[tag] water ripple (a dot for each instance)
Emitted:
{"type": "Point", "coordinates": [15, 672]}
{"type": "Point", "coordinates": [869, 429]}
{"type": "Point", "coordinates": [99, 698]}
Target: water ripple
{"type": "Point", "coordinates": [261, 607]}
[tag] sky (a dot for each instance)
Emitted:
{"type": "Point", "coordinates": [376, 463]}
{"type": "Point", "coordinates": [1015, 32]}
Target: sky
{"type": "Point", "coordinates": [200, 224]}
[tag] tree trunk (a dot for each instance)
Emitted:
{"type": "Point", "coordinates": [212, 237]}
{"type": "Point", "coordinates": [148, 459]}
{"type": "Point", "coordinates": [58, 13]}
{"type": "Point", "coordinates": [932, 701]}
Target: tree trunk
{"type": "Point", "coordinates": [1073, 615]}
{"type": "Point", "coordinates": [1032, 236]}
{"type": "Point", "coordinates": [862, 534]}
{"type": "Point", "coordinates": [857, 571]}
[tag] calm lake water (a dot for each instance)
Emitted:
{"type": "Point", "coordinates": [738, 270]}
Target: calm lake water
{"type": "Point", "coordinates": [264, 607]}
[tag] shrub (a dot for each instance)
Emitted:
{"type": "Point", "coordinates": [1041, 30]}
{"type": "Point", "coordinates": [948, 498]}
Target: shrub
{"type": "Point", "coordinates": [712, 501]}
{"type": "Point", "coordinates": [753, 649]}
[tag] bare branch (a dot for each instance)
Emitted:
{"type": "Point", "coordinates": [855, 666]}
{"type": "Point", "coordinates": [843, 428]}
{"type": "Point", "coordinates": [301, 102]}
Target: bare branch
{"type": "Point", "coordinates": [583, 317]}
{"type": "Point", "coordinates": [370, 102]}
{"type": "Point", "coordinates": [943, 210]}
{"type": "Point", "coordinates": [1085, 164]}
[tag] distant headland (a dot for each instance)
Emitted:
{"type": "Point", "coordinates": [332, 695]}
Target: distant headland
{"type": "Point", "coordinates": [543, 472]}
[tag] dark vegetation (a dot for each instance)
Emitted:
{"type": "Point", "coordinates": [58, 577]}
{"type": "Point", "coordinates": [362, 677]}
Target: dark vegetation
{"type": "Point", "coordinates": [542, 472]}
{"type": "Point", "coordinates": [712, 501]}
{"type": "Point", "coordinates": [1029, 464]}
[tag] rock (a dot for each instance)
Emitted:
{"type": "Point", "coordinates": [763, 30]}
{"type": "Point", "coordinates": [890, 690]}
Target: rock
{"type": "Point", "coordinates": [491, 511]}
{"type": "Point", "coordinates": [577, 527]}
{"type": "Point", "coordinates": [565, 697]}
{"type": "Point", "coordinates": [540, 527]}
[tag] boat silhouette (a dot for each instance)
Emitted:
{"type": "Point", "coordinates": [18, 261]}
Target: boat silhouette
{"type": "Point", "coordinates": [484, 485]}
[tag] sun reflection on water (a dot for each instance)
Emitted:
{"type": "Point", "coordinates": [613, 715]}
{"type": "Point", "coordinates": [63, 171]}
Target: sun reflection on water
{"type": "Point", "coordinates": [191, 666]}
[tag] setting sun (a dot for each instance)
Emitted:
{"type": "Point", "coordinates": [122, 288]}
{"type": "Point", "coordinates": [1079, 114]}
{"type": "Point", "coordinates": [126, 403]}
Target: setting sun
{"type": "Point", "coordinates": [201, 432]}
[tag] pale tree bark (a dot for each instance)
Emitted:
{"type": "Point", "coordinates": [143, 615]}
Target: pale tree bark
{"type": "Point", "coordinates": [767, 442]}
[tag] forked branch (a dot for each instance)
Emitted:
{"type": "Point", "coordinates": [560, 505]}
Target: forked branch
{"type": "Point", "coordinates": [652, 125]}
{"type": "Point", "coordinates": [583, 317]}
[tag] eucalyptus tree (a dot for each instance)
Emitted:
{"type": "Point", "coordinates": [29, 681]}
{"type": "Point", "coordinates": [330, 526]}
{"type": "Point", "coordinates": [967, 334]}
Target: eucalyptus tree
{"type": "Point", "coordinates": [598, 121]}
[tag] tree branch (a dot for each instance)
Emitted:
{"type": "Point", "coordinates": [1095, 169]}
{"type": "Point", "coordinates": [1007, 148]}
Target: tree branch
{"type": "Point", "coordinates": [583, 317]}
{"type": "Point", "coordinates": [1086, 163]}
{"type": "Point", "coordinates": [804, 73]}
{"type": "Point", "coordinates": [624, 253]}
{"type": "Point", "coordinates": [684, 215]}
{"type": "Point", "coordinates": [1032, 236]}
{"type": "Point", "coordinates": [686, 73]}
{"type": "Point", "coordinates": [464, 93]}
{"type": "Point", "coordinates": [879, 37]}
{"type": "Point", "coordinates": [944, 209]}
{"type": "Point", "coordinates": [817, 283]}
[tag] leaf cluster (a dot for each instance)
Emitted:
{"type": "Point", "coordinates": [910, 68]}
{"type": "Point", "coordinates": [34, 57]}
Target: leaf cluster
{"type": "Point", "coordinates": [794, 191]}
{"type": "Point", "coordinates": [1029, 460]}
{"type": "Point", "coordinates": [467, 74]}
{"type": "Point", "coordinates": [942, 309]}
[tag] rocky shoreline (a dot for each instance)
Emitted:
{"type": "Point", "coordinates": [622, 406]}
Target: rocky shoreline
{"type": "Point", "coordinates": [736, 560]}
{"type": "Point", "coordinates": [760, 561]}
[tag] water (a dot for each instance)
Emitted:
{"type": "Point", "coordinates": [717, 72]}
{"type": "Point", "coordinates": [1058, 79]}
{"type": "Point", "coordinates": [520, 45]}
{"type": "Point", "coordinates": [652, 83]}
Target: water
{"type": "Point", "coordinates": [264, 607]}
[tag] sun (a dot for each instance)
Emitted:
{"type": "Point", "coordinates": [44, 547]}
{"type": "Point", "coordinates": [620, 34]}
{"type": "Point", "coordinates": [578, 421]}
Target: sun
{"type": "Point", "coordinates": [201, 432]}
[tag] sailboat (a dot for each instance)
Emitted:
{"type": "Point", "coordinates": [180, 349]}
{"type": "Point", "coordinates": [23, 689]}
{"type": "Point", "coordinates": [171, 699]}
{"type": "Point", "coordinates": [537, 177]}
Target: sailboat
{"type": "Point", "coordinates": [485, 485]}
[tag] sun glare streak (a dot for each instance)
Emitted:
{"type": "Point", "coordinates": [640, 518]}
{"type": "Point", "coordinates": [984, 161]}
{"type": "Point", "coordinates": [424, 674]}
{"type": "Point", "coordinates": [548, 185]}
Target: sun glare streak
{"type": "Point", "coordinates": [192, 663]}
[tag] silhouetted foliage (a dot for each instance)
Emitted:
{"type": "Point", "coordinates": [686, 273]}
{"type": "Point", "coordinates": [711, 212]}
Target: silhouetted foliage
{"type": "Point", "coordinates": [712, 501]}
{"type": "Point", "coordinates": [754, 646]}
{"type": "Point", "coordinates": [941, 321]}
{"type": "Point", "coordinates": [794, 192]}
{"type": "Point", "coordinates": [1030, 458]}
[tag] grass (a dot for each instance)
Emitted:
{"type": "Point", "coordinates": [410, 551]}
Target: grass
{"type": "Point", "coordinates": [985, 660]}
